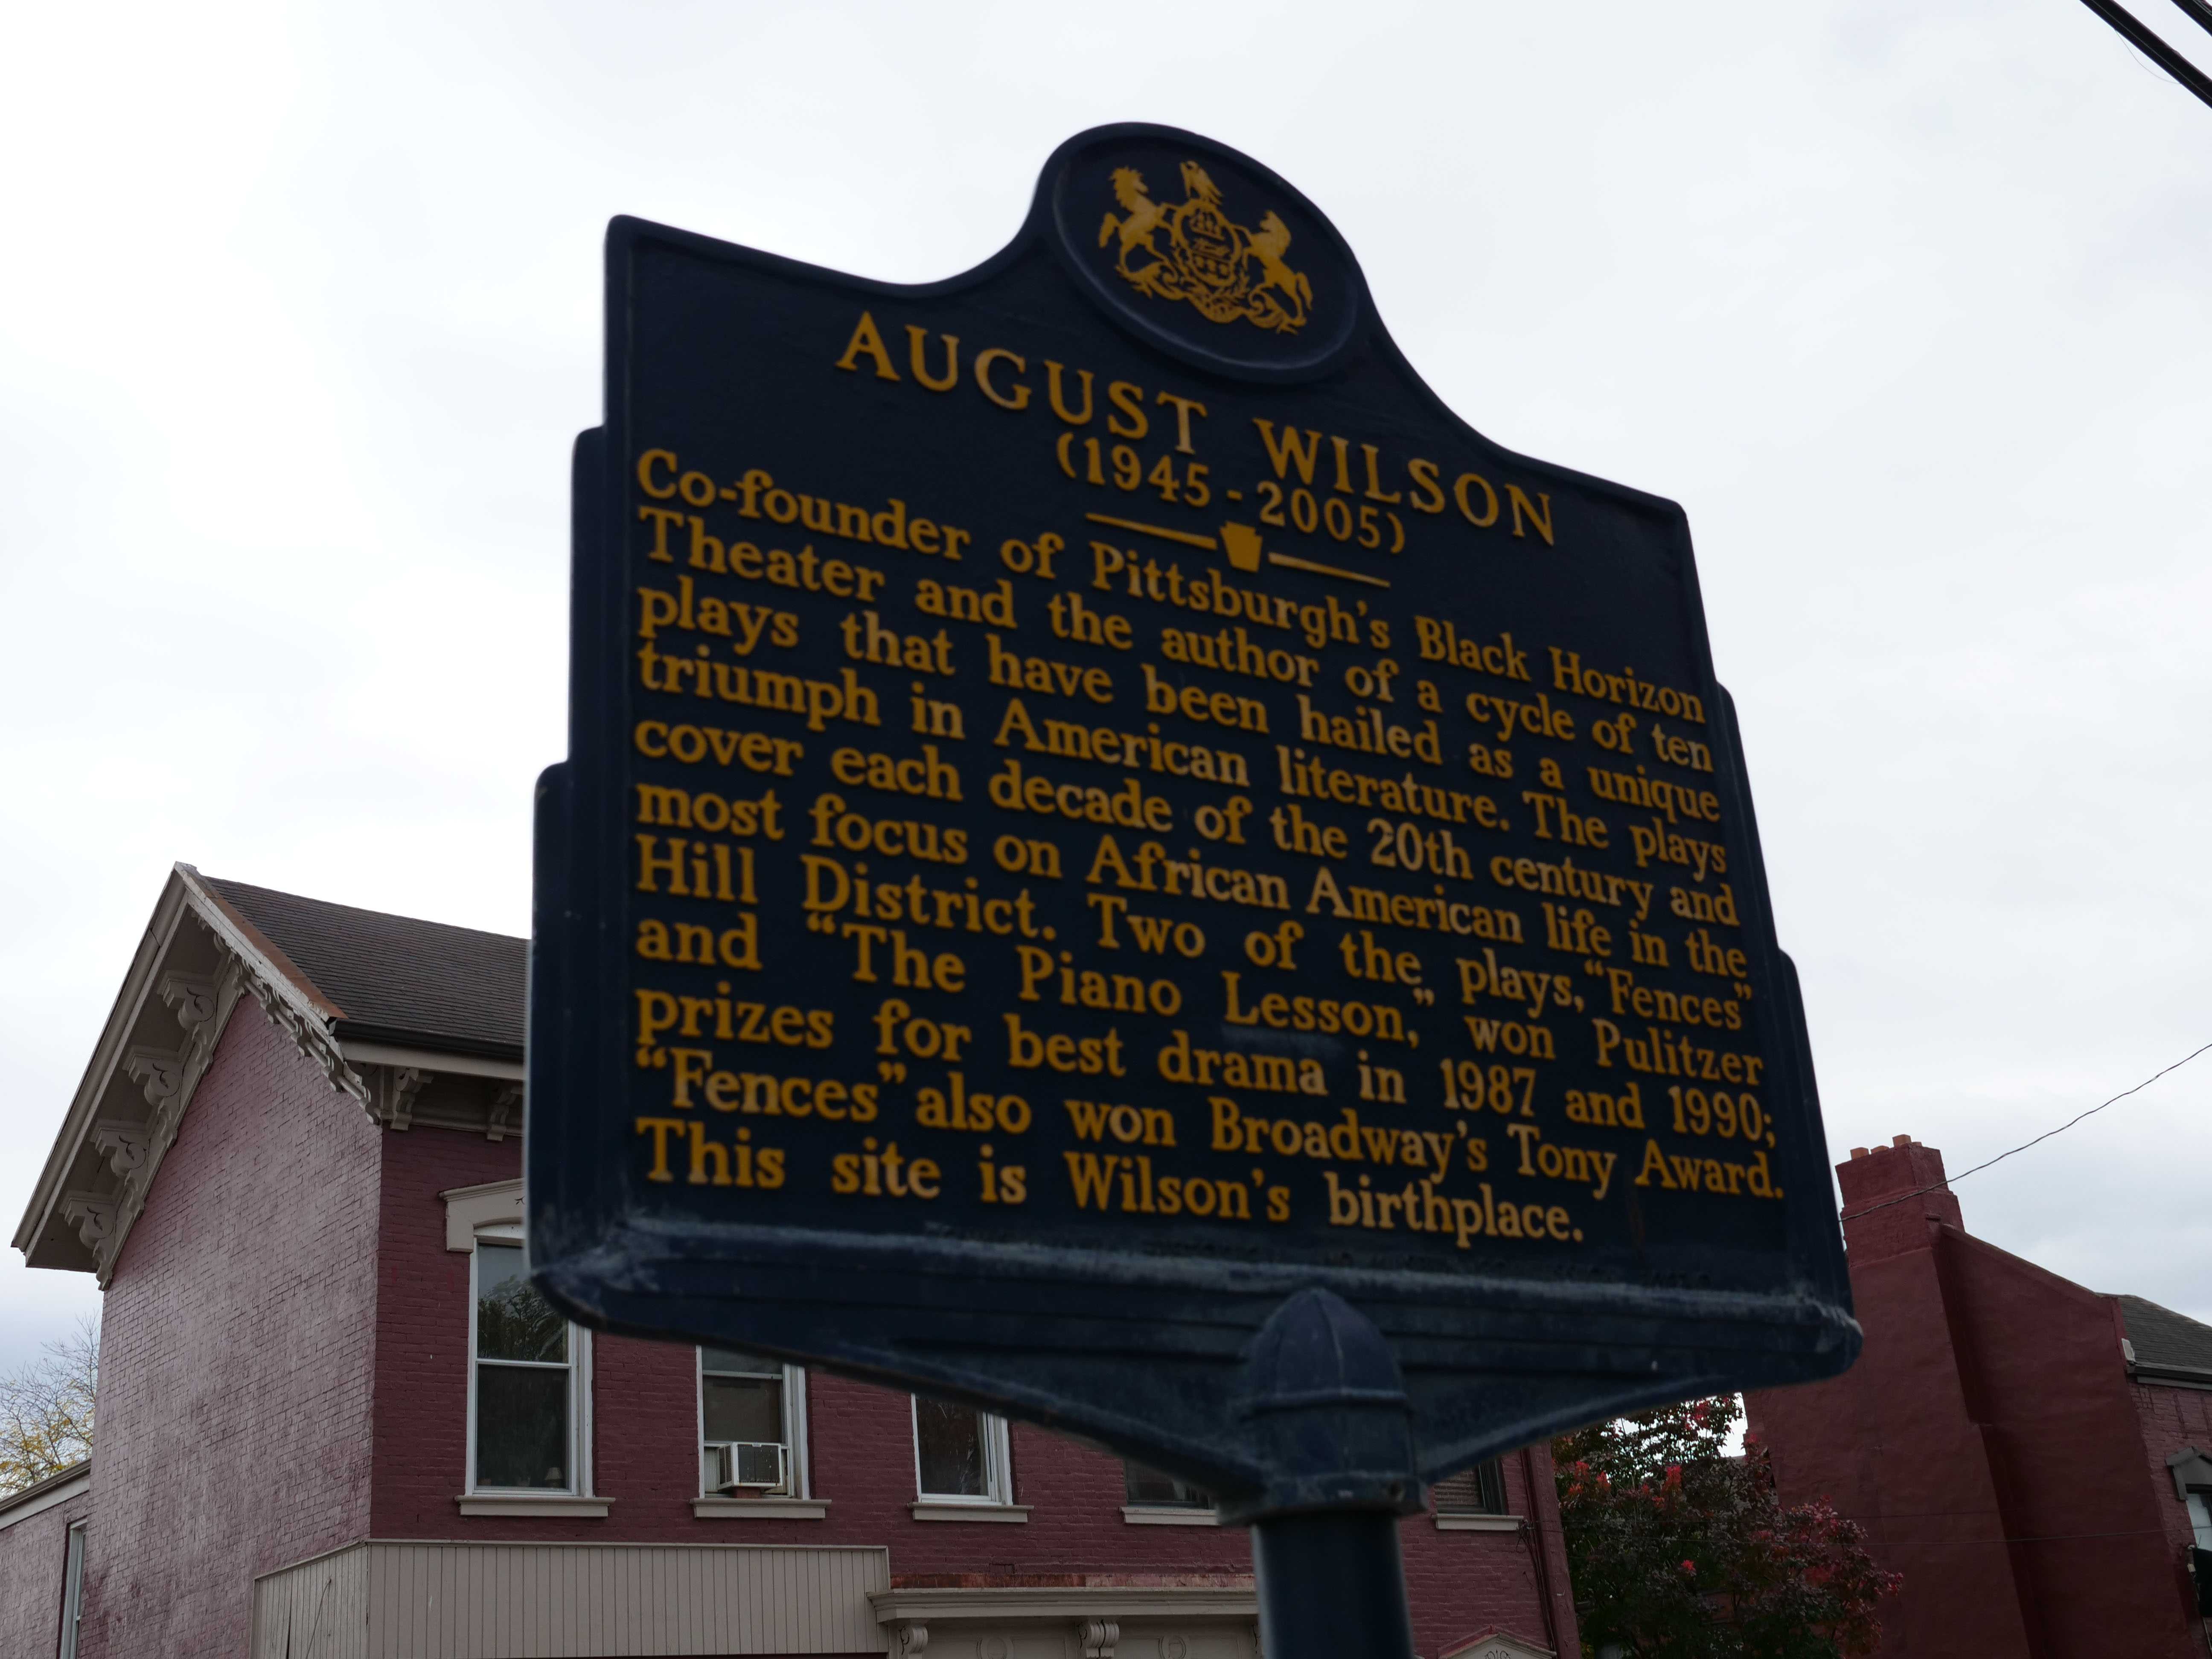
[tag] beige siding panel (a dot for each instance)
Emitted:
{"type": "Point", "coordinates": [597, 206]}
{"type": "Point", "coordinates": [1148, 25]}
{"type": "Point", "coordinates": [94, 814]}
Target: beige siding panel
{"type": "Point", "coordinates": [317, 1609]}
{"type": "Point", "coordinates": [469, 1600]}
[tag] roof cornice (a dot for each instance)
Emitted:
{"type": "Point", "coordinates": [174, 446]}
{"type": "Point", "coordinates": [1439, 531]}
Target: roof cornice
{"type": "Point", "coordinates": [197, 956]}
{"type": "Point", "coordinates": [942, 1604]}
{"type": "Point", "coordinates": [43, 1495]}
{"type": "Point", "coordinates": [249, 941]}
{"type": "Point", "coordinates": [2183, 1376]}
{"type": "Point", "coordinates": [290, 997]}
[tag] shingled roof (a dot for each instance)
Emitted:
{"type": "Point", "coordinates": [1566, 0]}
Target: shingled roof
{"type": "Point", "coordinates": [2165, 1341]}
{"type": "Point", "coordinates": [392, 979]}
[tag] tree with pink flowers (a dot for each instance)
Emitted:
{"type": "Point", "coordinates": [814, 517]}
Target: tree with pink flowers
{"type": "Point", "coordinates": [1679, 1549]}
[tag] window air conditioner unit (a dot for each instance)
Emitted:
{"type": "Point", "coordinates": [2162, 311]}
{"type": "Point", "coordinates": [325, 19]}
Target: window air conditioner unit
{"type": "Point", "coordinates": [749, 1466]}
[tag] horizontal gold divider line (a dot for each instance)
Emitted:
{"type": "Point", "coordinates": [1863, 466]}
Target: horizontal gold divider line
{"type": "Point", "coordinates": [1325, 570]}
{"type": "Point", "coordinates": [1183, 536]}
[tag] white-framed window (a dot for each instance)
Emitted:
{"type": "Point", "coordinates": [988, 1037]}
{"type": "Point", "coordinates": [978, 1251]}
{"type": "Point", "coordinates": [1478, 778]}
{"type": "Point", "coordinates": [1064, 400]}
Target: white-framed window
{"type": "Point", "coordinates": [529, 1379]}
{"type": "Point", "coordinates": [2200, 1518]}
{"type": "Point", "coordinates": [961, 1454]}
{"type": "Point", "coordinates": [72, 1589]}
{"type": "Point", "coordinates": [752, 1426]}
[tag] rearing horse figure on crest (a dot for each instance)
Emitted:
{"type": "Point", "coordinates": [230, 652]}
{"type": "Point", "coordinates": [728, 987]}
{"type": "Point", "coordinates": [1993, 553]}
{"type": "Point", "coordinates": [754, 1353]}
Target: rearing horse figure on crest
{"type": "Point", "coordinates": [1146, 216]}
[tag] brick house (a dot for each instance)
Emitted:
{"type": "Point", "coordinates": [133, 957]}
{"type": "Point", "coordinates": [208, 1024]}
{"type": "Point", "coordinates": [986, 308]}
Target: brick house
{"type": "Point", "coordinates": [2034, 1457]}
{"type": "Point", "coordinates": [335, 1421]}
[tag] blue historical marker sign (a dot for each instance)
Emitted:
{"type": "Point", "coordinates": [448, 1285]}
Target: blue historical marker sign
{"type": "Point", "coordinates": [1095, 805]}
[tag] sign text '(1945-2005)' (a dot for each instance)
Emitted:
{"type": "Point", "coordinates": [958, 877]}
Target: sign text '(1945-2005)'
{"type": "Point", "coordinates": [1159, 877]}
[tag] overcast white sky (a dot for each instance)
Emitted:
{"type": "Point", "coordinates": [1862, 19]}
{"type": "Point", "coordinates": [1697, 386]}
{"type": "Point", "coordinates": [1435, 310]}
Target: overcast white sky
{"type": "Point", "coordinates": [1906, 300]}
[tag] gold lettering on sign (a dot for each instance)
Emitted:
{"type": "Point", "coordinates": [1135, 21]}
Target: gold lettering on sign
{"type": "Point", "coordinates": [1185, 988]}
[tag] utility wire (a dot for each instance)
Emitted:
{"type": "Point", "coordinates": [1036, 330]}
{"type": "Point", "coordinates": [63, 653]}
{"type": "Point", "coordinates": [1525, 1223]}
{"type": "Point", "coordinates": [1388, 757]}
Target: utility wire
{"type": "Point", "coordinates": [2199, 13]}
{"type": "Point", "coordinates": [2156, 48]}
{"type": "Point", "coordinates": [1953, 1181]}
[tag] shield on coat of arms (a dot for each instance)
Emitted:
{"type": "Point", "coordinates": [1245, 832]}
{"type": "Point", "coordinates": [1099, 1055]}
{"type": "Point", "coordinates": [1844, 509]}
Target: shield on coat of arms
{"type": "Point", "coordinates": [1212, 254]}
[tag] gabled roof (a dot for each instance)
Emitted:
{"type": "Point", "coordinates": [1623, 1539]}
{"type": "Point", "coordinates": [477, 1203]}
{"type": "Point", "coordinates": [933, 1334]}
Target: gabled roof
{"type": "Point", "coordinates": [2166, 1343]}
{"type": "Point", "coordinates": [393, 979]}
{"type": "Point", "coordinates": [415, 1020]}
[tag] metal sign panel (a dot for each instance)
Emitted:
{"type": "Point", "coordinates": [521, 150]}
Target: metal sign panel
{"type": "Point", "coordinates": [1096, 804]}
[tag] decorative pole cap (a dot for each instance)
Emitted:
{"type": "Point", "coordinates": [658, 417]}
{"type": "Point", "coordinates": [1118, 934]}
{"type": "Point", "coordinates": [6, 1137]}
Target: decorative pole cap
{"type": "Point", "coordinates": [1330, 1420]}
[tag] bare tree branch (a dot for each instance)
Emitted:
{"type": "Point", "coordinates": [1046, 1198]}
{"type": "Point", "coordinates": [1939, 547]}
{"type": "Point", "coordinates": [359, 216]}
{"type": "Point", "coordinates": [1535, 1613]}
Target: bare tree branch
{"type": "Point", "coordinates": [45, 1410]}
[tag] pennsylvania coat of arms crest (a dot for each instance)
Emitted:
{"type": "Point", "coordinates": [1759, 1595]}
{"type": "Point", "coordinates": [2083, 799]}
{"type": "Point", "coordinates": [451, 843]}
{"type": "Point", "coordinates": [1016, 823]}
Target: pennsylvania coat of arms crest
{"type": "Point", "coordinates": [1192, 251]}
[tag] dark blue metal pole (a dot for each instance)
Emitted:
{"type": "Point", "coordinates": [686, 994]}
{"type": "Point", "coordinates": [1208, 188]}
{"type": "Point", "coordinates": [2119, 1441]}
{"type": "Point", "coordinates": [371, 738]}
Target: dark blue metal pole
{"type": "Point", "coordinates": [1332, 1587]}
{"type": "Point", "coordinates": [1333, 1424]}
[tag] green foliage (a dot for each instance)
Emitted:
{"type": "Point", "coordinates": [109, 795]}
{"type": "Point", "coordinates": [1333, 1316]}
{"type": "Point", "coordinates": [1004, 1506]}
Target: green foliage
{"type": "Point", "coordinates": [45, 1412]}
{"type": "Point", "coordinates": [1678, 1549]}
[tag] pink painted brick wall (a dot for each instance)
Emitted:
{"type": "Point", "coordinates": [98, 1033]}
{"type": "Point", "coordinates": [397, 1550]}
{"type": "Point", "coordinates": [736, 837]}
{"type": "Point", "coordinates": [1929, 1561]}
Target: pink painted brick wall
{"type": "Point", "coordinates": [235, 1356]}
{"type": "Point", "coordinates": [861, 1452]}
{"type": "Point", "coordinates": [33, 1552]}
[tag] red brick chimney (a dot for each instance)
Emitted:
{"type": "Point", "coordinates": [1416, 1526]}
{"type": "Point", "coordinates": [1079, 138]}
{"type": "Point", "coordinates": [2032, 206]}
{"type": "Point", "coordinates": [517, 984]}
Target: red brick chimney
{"type": "Point", "coordinates": [1890, 1196]}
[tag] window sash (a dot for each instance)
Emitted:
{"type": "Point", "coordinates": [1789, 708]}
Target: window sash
{"type": "Point", "coordinates": [575, 1392]}
{"type": "Point", "coordinates": [72, 1589]}
{"type": "Point", "coordinates": [727, 1361]}
{"type": "Point", "coordinates": [996, 1455]}
{"type": "Point", "coordinates": [1179, 1494]}
{"type": "Point", "coordinates": [792, 1409]}
{"type": "Point", "coordinates": [1477, 1490]}
{"type": "Point", "coordinates": [523, 1327]}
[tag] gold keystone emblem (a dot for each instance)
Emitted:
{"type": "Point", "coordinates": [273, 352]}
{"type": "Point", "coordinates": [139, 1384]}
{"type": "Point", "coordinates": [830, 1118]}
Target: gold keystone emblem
{"type": "Point", "coordinates": [1225, 270]}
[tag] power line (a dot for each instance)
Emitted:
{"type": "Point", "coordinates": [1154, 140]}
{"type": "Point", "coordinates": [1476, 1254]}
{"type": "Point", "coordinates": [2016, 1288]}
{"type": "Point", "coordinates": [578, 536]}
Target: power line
{"type": "Point", "coordinates": [2145, 41]}
{"type": "Point", "coordinates": [2199, 13]}
{"type": "Point", "coordinates": [1953, 1181]}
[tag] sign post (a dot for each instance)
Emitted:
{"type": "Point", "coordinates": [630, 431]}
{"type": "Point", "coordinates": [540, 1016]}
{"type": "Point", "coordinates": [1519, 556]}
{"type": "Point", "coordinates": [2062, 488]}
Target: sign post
{"type": "Point", "coordinates": [1119, 863]}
